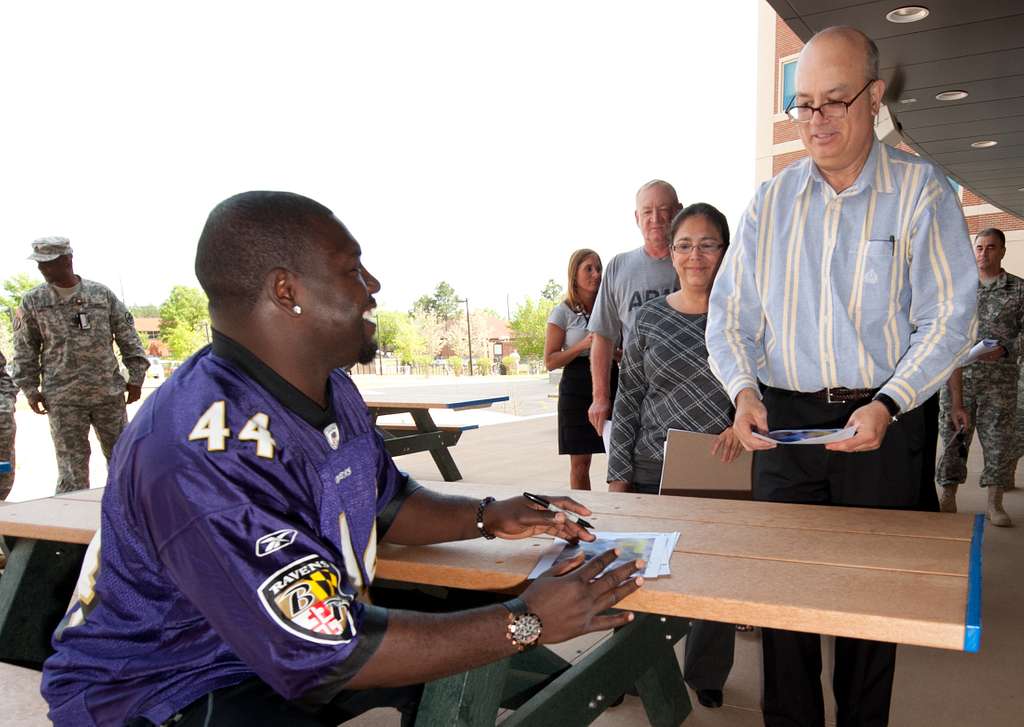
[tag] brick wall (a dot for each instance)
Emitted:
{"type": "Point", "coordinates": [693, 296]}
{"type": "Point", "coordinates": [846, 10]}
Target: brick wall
{"type": "Point", "coordinates": [786, 42]}
{"type": "Point", "coordinates": [785, 131]}
{"type": "Point", "coordinates": [1003, 220]}
{"type": "Point", "coordinates": [781, 161]}
{"type": "Point", "coordinates": [970, 198]}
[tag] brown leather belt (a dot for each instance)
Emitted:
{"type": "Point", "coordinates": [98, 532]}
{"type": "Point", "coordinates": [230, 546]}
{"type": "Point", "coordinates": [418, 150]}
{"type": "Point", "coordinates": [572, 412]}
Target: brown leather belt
{"type": "Point", "coordinates": [841, 395]}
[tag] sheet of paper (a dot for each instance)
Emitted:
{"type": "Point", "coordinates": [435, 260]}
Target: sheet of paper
{"type": "Point", "coordinates": [606, 435]}
{"type": "Point", "coordinates": [654, 548]}
{"type": "Point", "coordinates": [807, 436]}
{"type": "Point", "coordinates": [985, 345]}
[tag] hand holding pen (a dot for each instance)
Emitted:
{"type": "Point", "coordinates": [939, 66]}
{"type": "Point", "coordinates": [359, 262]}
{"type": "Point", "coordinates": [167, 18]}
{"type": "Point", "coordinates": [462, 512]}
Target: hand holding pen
{"type": "Point", "coordinates": [569, 514]}
{"type": "Point", "coordinates": [529, 515]}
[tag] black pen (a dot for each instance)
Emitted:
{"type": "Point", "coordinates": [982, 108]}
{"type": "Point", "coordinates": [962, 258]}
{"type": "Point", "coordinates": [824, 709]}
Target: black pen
{"type": "Point", "coordinates": [571, 516]}
{"type": "Point", "coordinates": [892, 244]}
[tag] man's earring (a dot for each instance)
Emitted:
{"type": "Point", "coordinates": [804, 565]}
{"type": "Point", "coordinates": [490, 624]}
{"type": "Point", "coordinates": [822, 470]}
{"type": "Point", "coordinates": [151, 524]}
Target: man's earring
{"type": "Point", "coordinates": [297, 309]}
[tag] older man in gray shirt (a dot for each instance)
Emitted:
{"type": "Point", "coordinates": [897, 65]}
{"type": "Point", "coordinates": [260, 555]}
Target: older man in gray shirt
{"type": "Point", "coordinates": [630, 280]}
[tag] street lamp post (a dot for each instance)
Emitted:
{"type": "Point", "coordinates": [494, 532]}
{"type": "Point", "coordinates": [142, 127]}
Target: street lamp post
{"type": "Point", "coordinates": [469, 334]}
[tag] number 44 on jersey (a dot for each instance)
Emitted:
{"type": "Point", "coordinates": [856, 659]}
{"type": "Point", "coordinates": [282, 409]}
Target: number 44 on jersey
{"type": "Point", "coordinates": [212, 426]}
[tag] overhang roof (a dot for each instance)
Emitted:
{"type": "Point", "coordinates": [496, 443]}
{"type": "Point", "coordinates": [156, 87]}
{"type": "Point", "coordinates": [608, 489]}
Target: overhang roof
{"type": "Point", "coordinates": [970, 45]}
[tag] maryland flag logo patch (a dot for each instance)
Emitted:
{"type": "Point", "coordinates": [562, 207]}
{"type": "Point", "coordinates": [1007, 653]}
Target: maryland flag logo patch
{"type": "Point", "coordinates": [305, 599]}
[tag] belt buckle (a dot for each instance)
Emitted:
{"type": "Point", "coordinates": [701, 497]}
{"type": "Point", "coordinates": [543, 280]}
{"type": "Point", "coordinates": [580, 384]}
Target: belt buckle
{"type": "Point", "coordinates": [828, 397]}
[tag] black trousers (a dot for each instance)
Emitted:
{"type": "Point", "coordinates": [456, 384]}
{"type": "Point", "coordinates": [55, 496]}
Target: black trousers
{"type": "Point", "coordinates": [892, 476]}
{"type": "Point", "coordinates": [254, 704]}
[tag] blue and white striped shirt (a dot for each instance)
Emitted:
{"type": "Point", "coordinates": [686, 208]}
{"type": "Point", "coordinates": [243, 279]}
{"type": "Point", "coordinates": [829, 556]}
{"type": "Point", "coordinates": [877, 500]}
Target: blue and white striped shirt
{"type": "Point", "coordinates": [875, 287]}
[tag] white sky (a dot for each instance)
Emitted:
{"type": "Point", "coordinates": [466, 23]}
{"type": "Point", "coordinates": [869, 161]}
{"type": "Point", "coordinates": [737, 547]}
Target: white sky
{"type": "Point", "coordinates": [473, 142]}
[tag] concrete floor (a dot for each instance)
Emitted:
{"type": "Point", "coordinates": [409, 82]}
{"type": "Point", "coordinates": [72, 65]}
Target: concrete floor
{"type": "Point", "coordinates": [517, 443]}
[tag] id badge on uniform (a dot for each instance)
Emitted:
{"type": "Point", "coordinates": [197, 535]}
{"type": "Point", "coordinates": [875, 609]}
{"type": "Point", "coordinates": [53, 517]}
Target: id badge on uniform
{"type": "Point", "coordinates": [83, 321]}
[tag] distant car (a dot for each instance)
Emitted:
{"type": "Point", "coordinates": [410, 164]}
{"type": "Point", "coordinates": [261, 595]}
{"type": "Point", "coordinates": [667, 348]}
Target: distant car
{"type": "Point", "coordinates": [155, 374]}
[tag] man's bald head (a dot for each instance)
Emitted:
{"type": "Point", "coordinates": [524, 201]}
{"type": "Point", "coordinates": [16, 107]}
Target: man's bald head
{"type": "Point", "coordinates": [846, 40]}
{"type": "Point", "coordinates": [249, 235]}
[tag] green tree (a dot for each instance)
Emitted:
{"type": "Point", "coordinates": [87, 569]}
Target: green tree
{"type": "Point", "coordinates": [185, 307]}
{"type": "Point", "coordinates": [145, 311]}
{"type": "Point", "coordinates": [530, 324]}
{"type": "Point", "coordinates": [443, 304]}
{"type": "Point", "coordinates": [432, 333]}
{"type": "Point", "coordinates": [183, 321]}
{"type": "Point", "coordinates": [15, 287]}
{"type": "Point", "coordinates": [552, 291]}
{"type": "Point", "coordinates": [6, 338]}
{"type": "Point", "coordinates": [396, 333]}
{"type": "Point", "coordinates": [183, 342]}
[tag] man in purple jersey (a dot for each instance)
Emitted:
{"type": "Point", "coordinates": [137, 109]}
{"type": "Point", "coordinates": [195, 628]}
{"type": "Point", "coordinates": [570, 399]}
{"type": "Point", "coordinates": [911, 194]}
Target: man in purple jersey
{"type": "Point", "coordinates": [244, 506]}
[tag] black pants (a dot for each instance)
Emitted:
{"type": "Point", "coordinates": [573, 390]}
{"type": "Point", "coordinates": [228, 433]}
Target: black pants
{"type": "Point", "coordinates": [890, 477]}
{"type": "Point", "coordinates": [254, 704]}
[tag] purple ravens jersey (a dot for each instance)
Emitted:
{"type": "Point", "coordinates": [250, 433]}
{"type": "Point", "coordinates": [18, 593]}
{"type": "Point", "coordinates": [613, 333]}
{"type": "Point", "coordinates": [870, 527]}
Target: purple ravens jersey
{"type": "Point", "coordinates": [239, 527]}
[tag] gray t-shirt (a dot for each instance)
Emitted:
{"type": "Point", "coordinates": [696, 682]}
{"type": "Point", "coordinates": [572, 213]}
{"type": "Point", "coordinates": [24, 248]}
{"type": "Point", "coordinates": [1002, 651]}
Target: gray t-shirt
{"type": "Point", "coordinates": [630, 280]}
{"type": "Point", "coordinates": [574, 324]}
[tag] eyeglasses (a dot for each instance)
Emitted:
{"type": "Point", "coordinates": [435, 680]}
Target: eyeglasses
{"type": "Point", "coordinates": [830, 110]}
{"type": "Point", "coordinates": [704, 248]}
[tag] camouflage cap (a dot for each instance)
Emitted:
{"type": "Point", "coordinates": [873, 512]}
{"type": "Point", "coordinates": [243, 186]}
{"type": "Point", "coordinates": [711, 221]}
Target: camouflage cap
{"type": "Point", "coordinates": [46, 249]}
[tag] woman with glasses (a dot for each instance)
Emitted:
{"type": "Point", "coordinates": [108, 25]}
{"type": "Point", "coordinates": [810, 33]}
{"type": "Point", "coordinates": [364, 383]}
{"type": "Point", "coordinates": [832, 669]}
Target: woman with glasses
{"type": "Point", "coordinates": [665, 383]}
{"type": "Point", "coordinates": [567, 346]}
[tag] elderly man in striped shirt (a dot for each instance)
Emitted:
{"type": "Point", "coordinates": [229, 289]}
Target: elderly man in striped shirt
{"type": "Point", "coordinates": [846, 300]}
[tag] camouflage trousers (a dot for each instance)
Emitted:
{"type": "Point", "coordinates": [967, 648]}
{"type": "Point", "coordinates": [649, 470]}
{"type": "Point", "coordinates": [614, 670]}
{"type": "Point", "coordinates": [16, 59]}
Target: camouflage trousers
{"type": "Point", "coordinates": [990, 397]}
{"type": "Point", "coordinates": [1018, 449]}
{"type": "Point", "coordinates": [7, 430]}
{"type": "Point", "coordinates": [69, 427]}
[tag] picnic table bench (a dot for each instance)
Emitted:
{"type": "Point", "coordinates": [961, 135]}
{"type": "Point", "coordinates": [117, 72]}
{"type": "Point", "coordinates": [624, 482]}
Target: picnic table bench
{"type": "Point", "coordinates": [424, 435]}
{"type": "Point", "coordinates": [904, 577]}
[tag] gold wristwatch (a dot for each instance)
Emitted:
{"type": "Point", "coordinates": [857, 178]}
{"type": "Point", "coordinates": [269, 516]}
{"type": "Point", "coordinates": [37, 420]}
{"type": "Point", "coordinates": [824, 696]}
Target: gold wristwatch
{"type": "Point", "coordinates": [524, 628]}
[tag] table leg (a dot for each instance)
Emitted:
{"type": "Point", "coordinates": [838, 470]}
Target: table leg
{"type": "Point", "coordinates": [442, 456]}
{"type": "Point", "coordinates": [34, 594]}
{"type": "Point", "coordinates": [544, 690]}
{"type": "Point", "coordinates": [469, 699]}
{"type": "Point", "coordinates": [641, 654]}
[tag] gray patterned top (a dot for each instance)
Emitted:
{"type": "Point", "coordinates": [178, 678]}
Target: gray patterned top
{"type": "Point", "coordinates": [664, 383]}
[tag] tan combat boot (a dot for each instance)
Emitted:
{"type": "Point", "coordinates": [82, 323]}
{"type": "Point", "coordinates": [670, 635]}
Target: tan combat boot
{"type": "Point", "coordinates": [947, 502]}
{"type": "Point", "coordinates": [995, 513]}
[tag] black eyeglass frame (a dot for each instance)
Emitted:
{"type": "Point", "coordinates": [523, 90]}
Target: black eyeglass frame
{"type": "Point", "coordinates": [820, 109]}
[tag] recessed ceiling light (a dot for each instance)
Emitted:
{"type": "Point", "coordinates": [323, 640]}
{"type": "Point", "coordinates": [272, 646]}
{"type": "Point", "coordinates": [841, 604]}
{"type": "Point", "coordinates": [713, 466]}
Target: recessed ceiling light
{"type": "Point", "coordinates": [950, 95]}
{"type": "Point", "coordinates": [984, 144]}
{"type": "Point", "coordinates": [1021, 189]}
{"type": "Point", "coordinates": [908, 100]}
{"type": "Point", "coordinates": [907, 14]}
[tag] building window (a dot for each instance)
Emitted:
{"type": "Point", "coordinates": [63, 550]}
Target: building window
{"type": "Point", "coordinates": [787, 73]}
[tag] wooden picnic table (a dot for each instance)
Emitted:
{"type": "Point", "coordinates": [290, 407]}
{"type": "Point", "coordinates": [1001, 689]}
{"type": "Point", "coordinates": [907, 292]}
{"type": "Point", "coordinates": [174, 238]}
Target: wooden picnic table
{"type": "Point", "coordinates": [424, 435]}
{"type": "Point", "coordinates": [904, 577]}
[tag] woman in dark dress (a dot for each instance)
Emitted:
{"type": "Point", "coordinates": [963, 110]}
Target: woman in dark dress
{"type": "Point", "coordinates": [567, 346]}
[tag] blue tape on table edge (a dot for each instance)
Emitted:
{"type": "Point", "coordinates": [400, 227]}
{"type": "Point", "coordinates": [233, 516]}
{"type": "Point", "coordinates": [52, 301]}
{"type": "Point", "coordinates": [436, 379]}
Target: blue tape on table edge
{"type": "Point", "coordinates": [476, 402]}
{"type": "Point", "coordinates": [972, 626]}
{"type": "Point", "coordinates": [5, 467]}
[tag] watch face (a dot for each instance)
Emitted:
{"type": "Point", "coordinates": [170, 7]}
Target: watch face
{"type": "Point", "coordinates": [525, 628]}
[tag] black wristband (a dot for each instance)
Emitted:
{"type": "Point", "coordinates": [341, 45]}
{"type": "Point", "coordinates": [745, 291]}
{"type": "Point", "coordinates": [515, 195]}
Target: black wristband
{"type": "Point", "coordinates": [480, 517]}
{"type": "Point", "coordinates": [888, 403]}
{"type": "Point", "coordinates": [516, 606]}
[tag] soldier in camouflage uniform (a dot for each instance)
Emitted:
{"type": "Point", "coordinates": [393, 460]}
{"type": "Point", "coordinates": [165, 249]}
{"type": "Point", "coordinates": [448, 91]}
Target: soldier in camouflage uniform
{"type": "Point", "coordinates": [8, 393]}
{"type": "Point", "coordinates": [983, 394]}
{"type": "Point", "coordinates": [1018, 449]}
{"type": "Point", "coordinates": [63, 333]}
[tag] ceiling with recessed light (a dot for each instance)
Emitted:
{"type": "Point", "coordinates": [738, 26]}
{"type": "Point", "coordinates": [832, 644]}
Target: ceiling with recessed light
{"type": "Point", "coordinates": [972, 46]}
